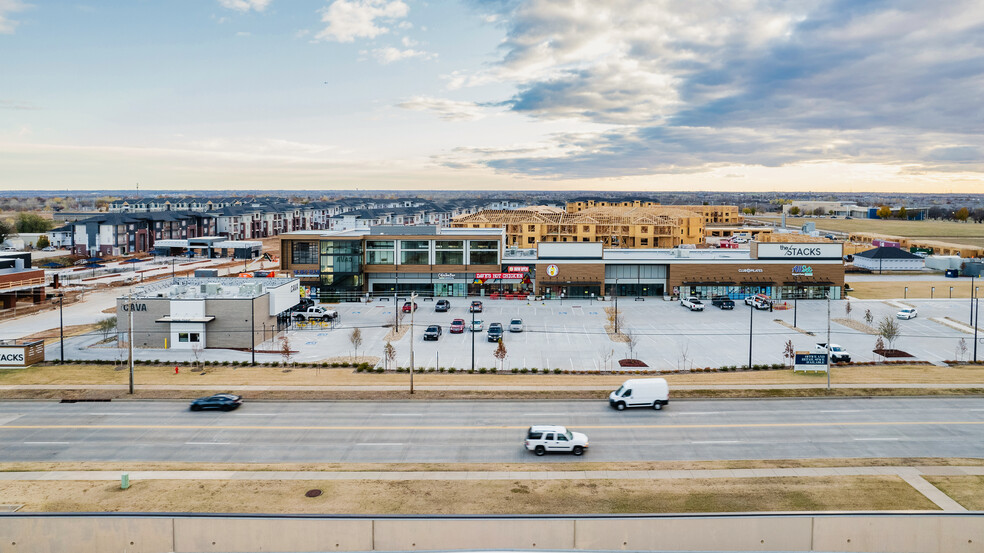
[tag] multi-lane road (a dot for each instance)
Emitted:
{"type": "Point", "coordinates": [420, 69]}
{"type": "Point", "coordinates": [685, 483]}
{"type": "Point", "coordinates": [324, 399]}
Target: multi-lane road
{"type": "Point", "coordinates": [489, 431]}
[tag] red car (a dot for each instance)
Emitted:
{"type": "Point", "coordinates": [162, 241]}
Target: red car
{"type": "Point", "coordinates": [457, 326]}
{"type": "Point", "coordinates": [406, 307]}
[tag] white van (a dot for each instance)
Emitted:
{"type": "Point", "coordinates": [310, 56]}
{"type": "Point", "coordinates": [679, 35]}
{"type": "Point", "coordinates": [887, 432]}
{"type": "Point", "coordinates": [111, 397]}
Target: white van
{"type": "Point", "coordinates": [641, 392]}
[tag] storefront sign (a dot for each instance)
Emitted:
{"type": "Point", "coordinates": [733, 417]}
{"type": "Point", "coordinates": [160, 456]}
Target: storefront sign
{"type": "Point", "coordinates": [446, 276]}
{"type": "Point", "coordinates": [305, 272]}
{"type": "Point", "coordinates": [518, 269]}
{"type": "Point", "coordinates": [749, 270]}
{"type": "Point", "coordinates": [806, 361]}
{"type": "Point", "coordinates": [802, 270]}
{"type": "Point", "coordinates": [800, 251]}
{"type": "Point", "coordinates": [498, 276]}
{"type": "Point", "coordinates": [134, 307]}
{"type": "Point", "coordinates": [12, 358]}
{"type": "Point", "coordinates": [553, 270]}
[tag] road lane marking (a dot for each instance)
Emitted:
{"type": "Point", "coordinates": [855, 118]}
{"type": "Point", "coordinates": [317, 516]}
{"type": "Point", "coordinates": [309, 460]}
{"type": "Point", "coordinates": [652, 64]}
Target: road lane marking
{"type": "Point", "coordinates": [843, 411]}
{"type": "Point", "coordinates": [486, 427]}
{"type": "Point", "coordinates": [47, 443]}
{"type": "Point", "coordinates": [379, 443]}
{"type": "Point", "coordinates": [400, 415]}
{"type": "Point", "coordinates": [255, 414]}
{"type": "Point", "coordinates": [876, 439]}
{"type": "Point", "coordinates": [718, 442]}
{"type": "Point", "coordinates": [208, 443]}
{"type": "Point", "coordinates": [106, 414]}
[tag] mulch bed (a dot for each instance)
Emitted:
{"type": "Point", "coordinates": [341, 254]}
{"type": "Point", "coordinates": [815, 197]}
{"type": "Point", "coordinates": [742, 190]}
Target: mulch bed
{"type": "Point", "coordinates": [631, 363]}
{"type": "Point", "coordinates": [892, 353]}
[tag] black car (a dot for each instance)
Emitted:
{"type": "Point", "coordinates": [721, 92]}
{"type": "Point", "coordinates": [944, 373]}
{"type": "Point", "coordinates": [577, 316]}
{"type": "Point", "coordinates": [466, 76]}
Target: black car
{"type": "Point", "coordinates": [223, 402]}
{"type": "Point", "coordinates": [724, 302]}
{"type": "Point", "coordinates": [476, 307]}
{"type": "Point", "coordinates": [495, 332]}
{"type": "Point", "coordinates": [433, 332]}
{"type": "Point", "coordinates": [442, 305]}
{"type": "Point", "coordinates": [303, 304]}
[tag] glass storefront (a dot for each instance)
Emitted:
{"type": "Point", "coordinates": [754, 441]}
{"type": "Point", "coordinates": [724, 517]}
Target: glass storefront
{"type": "Point", "coordinates": [740, 292]}
{"type": "Point", "coordinates": [341, 270]}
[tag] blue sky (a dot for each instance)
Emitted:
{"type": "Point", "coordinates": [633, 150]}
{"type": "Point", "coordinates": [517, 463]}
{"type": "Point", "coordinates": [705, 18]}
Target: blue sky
{"type": "Point", "coordinates": [618, 94]}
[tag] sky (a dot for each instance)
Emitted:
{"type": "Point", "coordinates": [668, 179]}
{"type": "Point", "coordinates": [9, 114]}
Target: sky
{"type": "Point", "coordinates": [755, 95]}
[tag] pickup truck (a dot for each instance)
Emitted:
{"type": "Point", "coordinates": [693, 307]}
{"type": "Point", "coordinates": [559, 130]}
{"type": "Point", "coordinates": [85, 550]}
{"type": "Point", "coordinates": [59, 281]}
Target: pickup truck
{"type": "Point", "coordinates": [314, 313]}
{"type": "Point", "coordinates": [724, 302]}
{"type": "Point", "coordinates": [692, 303]}
{"type": "Point", "coordinates": [837, 353]}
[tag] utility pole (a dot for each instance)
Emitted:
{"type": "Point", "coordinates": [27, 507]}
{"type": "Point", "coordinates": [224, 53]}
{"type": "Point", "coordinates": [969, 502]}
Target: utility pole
{"type": "Point", "coordinates": [413, 299]}
{"type": "Point", "coordinates": [129, 339]}
{"type": "Point", "coordinates": [61, 325]}
{"type": "Point", "coordinates": [472, 330]}
{"type": "Point", "coordinates": [751, 318]}
{"type": "Point", "coordinates": [977, 321]}
{"type": "Point", "coordinates": [829, 350]}
{"type": "Point", "coordinates": [972, 300]}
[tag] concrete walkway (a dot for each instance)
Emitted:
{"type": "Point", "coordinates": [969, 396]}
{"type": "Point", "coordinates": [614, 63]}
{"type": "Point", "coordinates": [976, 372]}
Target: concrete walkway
{"type": "Point", "coordinates": [912, 475]}
{"type": "Point", "coordinates": [508, 388]}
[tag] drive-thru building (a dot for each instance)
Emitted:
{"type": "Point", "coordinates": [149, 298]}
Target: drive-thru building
{"type": "Point", "coordinates": [187, 313]}
{"type": "Point", "coordinates": [381, 261]}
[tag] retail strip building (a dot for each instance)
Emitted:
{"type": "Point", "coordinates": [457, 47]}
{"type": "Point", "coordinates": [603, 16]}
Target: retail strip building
{"type": "Point", "coordinates": [442, 262]}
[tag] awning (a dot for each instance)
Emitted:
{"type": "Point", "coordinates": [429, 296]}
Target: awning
{"type": "Point", "coordinates": [757, 283]}
{"type": "Point", "coordinates": [808, 283]}
{"type": "Point", "coordinates": [169, 319]}
{"type": "Point", "coordinates": [710, 283]}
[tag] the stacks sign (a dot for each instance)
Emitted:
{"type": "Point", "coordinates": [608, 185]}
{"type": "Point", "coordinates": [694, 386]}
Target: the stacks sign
{"type": "Point", "coordinates": [813, 251]}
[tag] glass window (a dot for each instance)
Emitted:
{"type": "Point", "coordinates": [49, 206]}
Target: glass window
{"type": "Point", "coordinates": [449, 244]}
{"type": "Point", "coordinates": [304, 253]}
{"type": "Point", "coordinates": [380, 257]}
{"type": "Point", "coordinates": [341, 247]}
{"type": "Point", "coordinates": [413, 244]}
{"type": "Point", "coordinates": [182, 336]}
{"type": "Point", "coordinates": [412, 257]}
{"type": "Point", "coordinates": [194, 337]}
{"type": "Point", "coordinates": [483, 245]}
{"type": "Point", "coordinates": [380, 244]}
{"type": "Point", "coordinates": [449, 258]}
{"type": "Point", "coordinates": [483, 258]}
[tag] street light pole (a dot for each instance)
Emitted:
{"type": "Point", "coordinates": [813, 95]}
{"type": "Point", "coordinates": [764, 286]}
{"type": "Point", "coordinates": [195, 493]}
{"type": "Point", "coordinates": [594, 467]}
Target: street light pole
{"type": "Point", "coordinates": [413, 299]}
{"type": "Point", "coordinates": [977, 320]}
{"type": "Point", "coordinates": [829, 349]}
{"type": "Point", "coordinates": [616, 306]}
{"type": "Point", "coordinates": [472, 330]}
{"type": "Point", "coordinates": [971, 299]}
{"type": "Point", "coordinates": [751, 313]}
{"type": "Point", "coordinates": [252, 329]}
{"type": "Point", "coordinates": [796, 295]}
{"type": "Point", "coordinates": [129, 340]}
{"type": "Point", "coordinates": [61, 325]}
{"type": "Point", "coordinates": [396, 299]}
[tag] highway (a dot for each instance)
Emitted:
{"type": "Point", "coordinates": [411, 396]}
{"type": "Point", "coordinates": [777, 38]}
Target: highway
{"type": "Point", "coordinates": [489, 431]}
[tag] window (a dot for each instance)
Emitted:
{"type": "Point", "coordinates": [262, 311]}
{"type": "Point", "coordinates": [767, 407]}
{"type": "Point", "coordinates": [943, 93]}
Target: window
{"type": "Point", "coordinates": [483, 245]}
{"type": "Point", "coordinates": [380, 257]}
{"type": "Point", "coordinates": [483, 258]}
{"type": "Point", "coordinates": [194, 337]}
{"type": "Point", "coordinates": [411, 257]}
{"type": "Point", "coordinates": [182, 336]}
{"type": "Point", "coordinates": [561, 438]}
{"type": "Point", "coordinates": [530, 240]}
{"type": "Point", "coordinates": [549, 437]}
{"type": "Point", "coordinates": [585, 228]}
{"type": "Point", "coordinates": [304, 253]}
{"type": "Point", "coordinates": [532, 228]}
{"type": "Point", "coordinates": [413, 244]}
{"type": "Point", "coordinates": [645, 241]}
{"type": "Point", "coordinates": [449, 244]}
{"type": "Point", "coordinates": [449, 258]}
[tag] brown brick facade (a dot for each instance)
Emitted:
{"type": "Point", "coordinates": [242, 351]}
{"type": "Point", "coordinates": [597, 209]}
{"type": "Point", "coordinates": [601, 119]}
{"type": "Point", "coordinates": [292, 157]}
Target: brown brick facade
{"type": "Point", "coordinates": [753, 273]}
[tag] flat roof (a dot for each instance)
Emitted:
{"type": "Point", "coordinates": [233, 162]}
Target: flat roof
{"type": "Point", "coordinates": [225, 287]}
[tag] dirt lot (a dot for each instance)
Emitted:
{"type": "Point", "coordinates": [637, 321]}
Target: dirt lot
{"type": "Point", "coordinates": [892, 290]}
{"type": "Point", "coordinates": [473, 497]}
{"type": "Point", "coordinates": [944, 231]}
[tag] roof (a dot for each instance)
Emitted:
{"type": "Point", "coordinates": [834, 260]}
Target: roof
{"type": "Point", "coordinates": [887, 253]}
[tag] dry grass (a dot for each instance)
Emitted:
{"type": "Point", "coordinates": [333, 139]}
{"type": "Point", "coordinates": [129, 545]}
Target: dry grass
{"type": "Point", "coordinates": [944, 231]}
{"type": "Point", "coordinates": [274, 376]}
{"type": "Point", "coordinates": [491, 467]}
{"type": "Point", "coordinates": [473, 497]}
{"type": "Point", "coordinates": [965, 490]}
{"type": "Point", "coordinates": [891, 290]}
{"type": "Point", "coordinates": [857, 325]}
{"type": "Point", "coordinates": [70, 330]}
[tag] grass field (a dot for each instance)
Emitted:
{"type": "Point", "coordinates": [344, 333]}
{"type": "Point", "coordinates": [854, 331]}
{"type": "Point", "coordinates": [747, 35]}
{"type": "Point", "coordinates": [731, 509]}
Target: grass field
{"type": "Point", "coordinates": [917, 289]}
{"type": "Point", "coordinates": [472, 497]}
{"type": "Point", "coordinates": [272, 376]}
{"type": "Point", "coordinates": [965, 490]}
{"type": "Point", "coordinates": [945, 231]}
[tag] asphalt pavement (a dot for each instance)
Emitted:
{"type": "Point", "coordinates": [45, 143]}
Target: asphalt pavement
{"type": "Point", "coordinates": [489, 431]}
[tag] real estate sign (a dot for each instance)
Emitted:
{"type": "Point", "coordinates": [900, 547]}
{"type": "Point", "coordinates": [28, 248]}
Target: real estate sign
{"type": "Point", "coordinates": [806, 361]}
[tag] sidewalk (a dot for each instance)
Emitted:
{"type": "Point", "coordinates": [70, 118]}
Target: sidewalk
{"type": "Point", "coordinates": [457, 388]}
{"type": "Point", "coordinates": [912, 475]}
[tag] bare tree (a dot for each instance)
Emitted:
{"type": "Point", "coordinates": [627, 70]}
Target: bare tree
{"type": "Point", "coordinates": [847, 308]}
{"type": "Point", "coordinates": [500, 354]}
{"type": "Point", "coordinates": [631, 342]}
{"type": "Point", "coordinates": [389, 354]}
{"type": "Point", "coordinates": [889, 329]}
{"type": "Point", "coordinates": [285, 352]}
{"type": "Point", "coordinates": [879, 346]}
{"type": "Point", "coordinates": [868, 317]}
{"type": "Point", "coordinates": [961, 349]}
{"type": "Point", "coordinates": [197, 350]}
{"type": "Point", "coordinates": [608, 359]}
{"type": "Point", "coordinates": [789, 353]}
{"type": "Point", "coordinates": [356, 339]}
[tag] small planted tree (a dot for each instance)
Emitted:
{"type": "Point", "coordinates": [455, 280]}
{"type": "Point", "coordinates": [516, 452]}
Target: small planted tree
{"type": "Point", "coordinates": [389, 354]}
{"type": "Point", "coordinates": [356, 339]}
{"type": "Point", "coordinates": [961, 349]}
{"type": "Point", "coordinates": [500, 354]}
{"type": "Point", "coordinates": [847, 309]}
{"type": "Point", "coordinates": [889, 329]}
{"type": "Point", "coordinates": [789, 353]}
{"type": "Point", "coordinates": [196, 351]}
{"type": "Point", "coordinates": [868, 317]}
{"type": "Point", "coordinates": [879, 345]}
{"type": "Point", "coordinates": [285, 352]}
{"type": "Point", "coordinates": [42, 242]}
{"type": "Point", "coordinates": [631, 341]}
{"type": "Point", "coordinates": [106, 326]}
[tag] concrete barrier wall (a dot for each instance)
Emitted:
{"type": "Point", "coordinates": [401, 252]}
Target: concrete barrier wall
{"type": "Point", "coordinates": [863, 533]}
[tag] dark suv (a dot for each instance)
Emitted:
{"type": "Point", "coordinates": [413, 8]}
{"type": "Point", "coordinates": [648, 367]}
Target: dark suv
{"type": "Point", "coordinates": [476, 307]}
{"type": "Point", "coordinates": [724, 302]}
{"type": "Point", "coordinates": [442, 305]}
{"type": "Point", "coordinates": [495, 332]}
{"type": "Point", "coordinates": [433, 332]}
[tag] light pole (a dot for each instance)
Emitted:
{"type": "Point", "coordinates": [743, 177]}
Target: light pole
{"type": "Point", "coordinates": [396, 300]}
{"type": "Point", "coordinates": [616, 307]}
{"type": "Point", "coordinates": [129, 340]}
{"type": "Point", "coordinates": [172, 268]}
{"type": "Point", "coordinates": [61, 325]}
{"type": "Point", "coordinates": [977, 303]}
{"type": "Point", "coordinates": [972, 299]}
{"type": "Point", "coordinates": [413, 299]}
{"type": "Point", "coordinates": [252, 329]}
{"type": "Point", "coordinates": [829, 349]}
{"type": "Point", "coordinates": [796, 295]}
{"type": "Point", "coordinates": [472, 330]}
{"type": "Point", "coordinates": [751, 313]}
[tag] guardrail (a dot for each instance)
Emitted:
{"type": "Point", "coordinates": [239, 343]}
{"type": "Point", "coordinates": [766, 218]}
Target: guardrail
{"type": "Point", "coordinates": [32, 282]}
{"type": "Point", "coordinates": [868, 532]}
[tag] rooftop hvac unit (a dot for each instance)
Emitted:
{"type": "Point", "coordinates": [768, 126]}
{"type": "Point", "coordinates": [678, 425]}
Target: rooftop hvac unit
{"type": "Point", "coordinates": [212, 288]}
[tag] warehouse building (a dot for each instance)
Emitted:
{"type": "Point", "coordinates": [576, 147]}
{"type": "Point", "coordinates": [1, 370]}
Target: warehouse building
{"type": "Point", "coordinates": [189, 313]}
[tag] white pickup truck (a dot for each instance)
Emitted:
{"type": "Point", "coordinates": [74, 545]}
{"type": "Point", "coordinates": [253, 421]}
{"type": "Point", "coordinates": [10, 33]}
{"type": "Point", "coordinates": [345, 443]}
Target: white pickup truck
{"type": "Point", "coordinates": [837, 353]}
{"type": "Point", "coordinates": [315, 313]}
{"type": "Point", "coordinates": [692, 303]}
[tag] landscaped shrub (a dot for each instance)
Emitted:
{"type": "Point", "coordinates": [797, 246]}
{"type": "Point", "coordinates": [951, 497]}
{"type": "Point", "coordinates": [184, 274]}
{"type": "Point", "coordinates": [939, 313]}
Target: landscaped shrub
{"type": "Point", "coordinates": [524, 370]}
{"type": "Point", "coordinates": [533, 370]}
{"type": "Point", "coordinates": [430, 369]}
{"type": "Point", "coordinates": [452, 369]}
{"type": "Point", "coordinates": [493, 370]}
{"type": "Point", "coordinates": [364, 366]}
{"type": "Point", "coordinates": [379, 369]}
{"type": "Point", "coordinates": [556, 371]}
{"type": "Point", "coordinates": [515, 370]}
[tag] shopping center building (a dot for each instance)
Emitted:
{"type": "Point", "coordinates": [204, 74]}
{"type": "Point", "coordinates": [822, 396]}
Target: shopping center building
{"type": "Point", "coordinates": [442, 262]}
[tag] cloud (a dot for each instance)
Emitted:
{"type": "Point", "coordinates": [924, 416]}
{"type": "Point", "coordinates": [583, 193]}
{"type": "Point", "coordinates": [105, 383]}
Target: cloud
{"type": "Point", "coordinates": [448, 110]}
{"type": "Point", "coordinates": [690, 86]}
{"type": "Point", "coordinates": [7, 7]}
{"type": "Point", "coordinates": [347, 20]}
{"type": "Point", "coordinates": [389, 54]}
{"type": "Point", "coordinates": [245, 5]}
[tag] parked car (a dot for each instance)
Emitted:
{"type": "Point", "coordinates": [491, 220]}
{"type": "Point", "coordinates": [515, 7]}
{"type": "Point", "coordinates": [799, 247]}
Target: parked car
{"type": "Point", "coordinates": [48, 249]}
{"type": "Point", "coordinates": [692, 303]}
{"type": "Point", "coordinates": [476, 307]}
{"type": "Point", "coordinates": [723, 302]}
{"type": "Point", "coordinates": [495, 332]}
{"type": "Point", "coordinates": [457, 326]}
{"type": "Point", "coordinates": [304, 304]}
{"type": "Point", "coordinates": [477, 326]}
{"type": "Point", "coordinates": [222, 402]}
{"type": "Point", "coordinates": [543, 438]}
{"type": "Point", "coordinates": [433, 332]}
{"type": "Point", "coordinates": [516, 325]}
{"type": "Point", "coordinates": [907, 313]}
{"type": "Point", "coordinates": [314, 313]}
{"type": "Point", "coordinates": [641, 392]}
{"type": "Point", "coordinates": [837, 353]}
{"type": "Point", "coordinates": [407, 306]}
{"type": "Point", "coordinates": [442, 305]}
{"type": "Point", "coordinates": [758, 301]}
